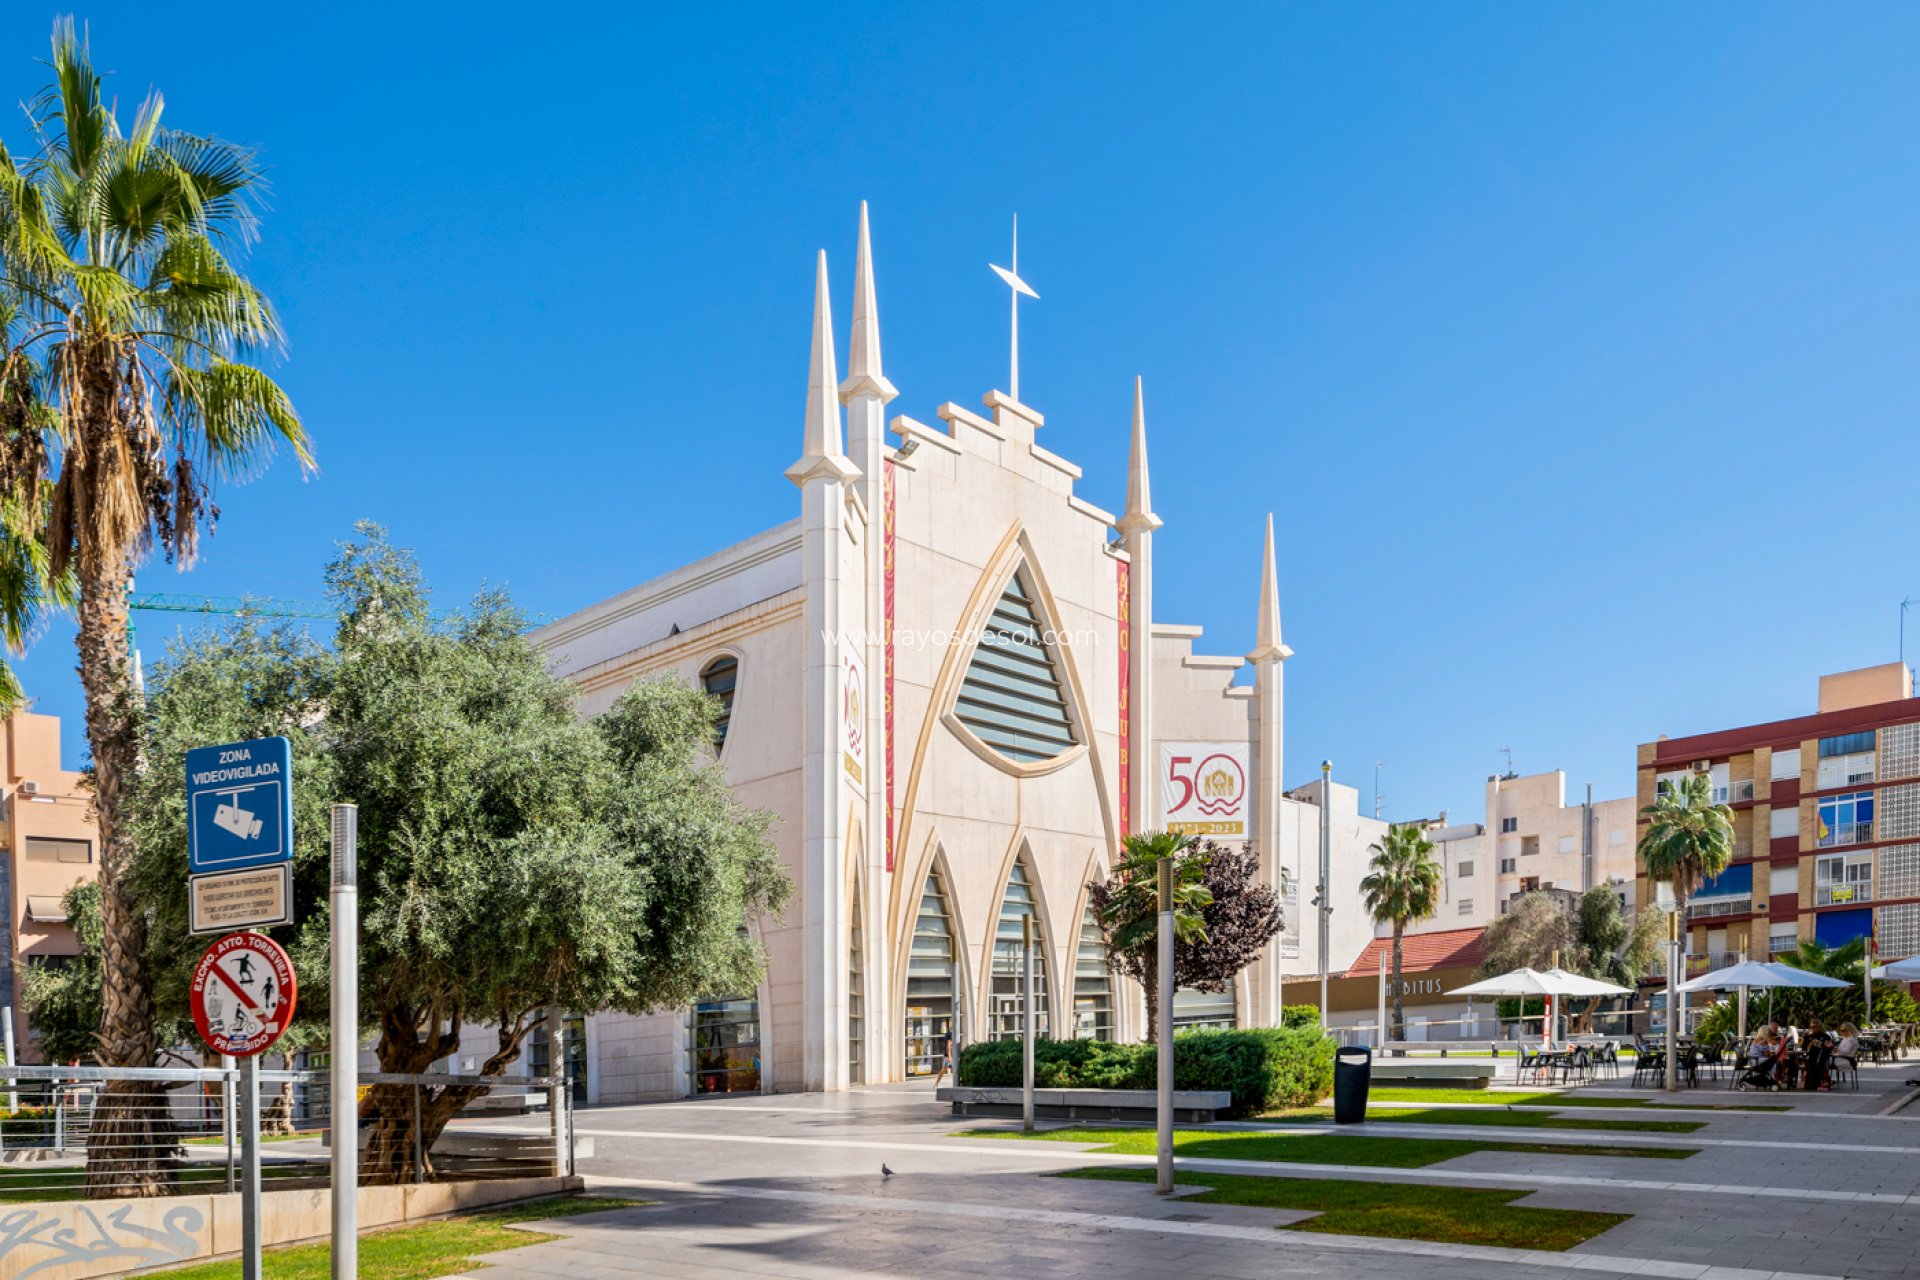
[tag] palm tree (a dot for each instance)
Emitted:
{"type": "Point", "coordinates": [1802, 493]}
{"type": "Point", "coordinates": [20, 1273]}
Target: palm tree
{"type": "Point", "coordinates": [1127, 906]}
{"type": "Point", "coordinates": [1689, 838]}
{"type": "Point", "coordinates": [1402, 885]}
{"type": "Point", "coordinates": [135, 331]}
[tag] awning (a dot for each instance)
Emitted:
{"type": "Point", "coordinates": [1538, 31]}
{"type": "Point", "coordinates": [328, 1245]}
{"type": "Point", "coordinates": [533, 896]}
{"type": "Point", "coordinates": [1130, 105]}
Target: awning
{"type": "Point", "coordinates": [42, 910]}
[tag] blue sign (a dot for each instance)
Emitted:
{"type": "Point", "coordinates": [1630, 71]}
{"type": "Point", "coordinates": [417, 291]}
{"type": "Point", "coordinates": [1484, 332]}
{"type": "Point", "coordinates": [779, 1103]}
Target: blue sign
{"type": "Point", "coordinates": [240, 805]}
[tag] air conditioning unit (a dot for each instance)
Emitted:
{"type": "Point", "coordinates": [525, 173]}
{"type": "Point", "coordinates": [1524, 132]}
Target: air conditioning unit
{"type": "Point", "coordinates": [30, 787]}
{"type": "Point", "coordinates": [1702, 766]}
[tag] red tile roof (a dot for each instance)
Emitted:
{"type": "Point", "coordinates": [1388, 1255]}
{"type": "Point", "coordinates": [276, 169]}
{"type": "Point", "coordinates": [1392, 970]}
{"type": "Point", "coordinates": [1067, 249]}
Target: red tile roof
{"type": "Point", "coordinates": [1420, 952]}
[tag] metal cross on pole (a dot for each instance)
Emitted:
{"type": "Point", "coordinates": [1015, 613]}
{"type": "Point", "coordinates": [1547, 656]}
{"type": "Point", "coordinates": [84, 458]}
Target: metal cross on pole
{"type": "Point", "coordinates": [1011, 277]}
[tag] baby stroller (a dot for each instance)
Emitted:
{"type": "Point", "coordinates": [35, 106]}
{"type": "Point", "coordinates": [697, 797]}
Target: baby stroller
{"type": "Point", "coordinates": [1759, 1073]}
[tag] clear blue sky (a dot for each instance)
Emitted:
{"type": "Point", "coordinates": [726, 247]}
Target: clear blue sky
{"type": "Point", "coordinates": [1571, 344]}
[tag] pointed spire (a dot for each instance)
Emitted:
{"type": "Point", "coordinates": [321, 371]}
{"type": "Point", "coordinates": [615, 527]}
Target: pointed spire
{"type": "Point", "coordinates": [1139, 513]}
{"type": "Point", "coordinates": [1267, 637]}
{"type": "Point", "coordinates": [825, 450]}
{"type": "Point", "coordinates": [863, 349]}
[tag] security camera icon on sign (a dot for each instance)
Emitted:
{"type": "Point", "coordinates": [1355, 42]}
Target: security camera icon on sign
{"type": "Point", "coordinates": [229, 816]}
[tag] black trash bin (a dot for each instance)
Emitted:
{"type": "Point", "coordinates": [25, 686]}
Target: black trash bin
{"type": "Point", "coordinates": [1352, 1073]}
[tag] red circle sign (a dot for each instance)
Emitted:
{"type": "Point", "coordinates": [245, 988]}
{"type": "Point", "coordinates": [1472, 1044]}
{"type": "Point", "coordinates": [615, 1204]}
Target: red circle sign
{"type": "Point", "coordinates": [243, 994]}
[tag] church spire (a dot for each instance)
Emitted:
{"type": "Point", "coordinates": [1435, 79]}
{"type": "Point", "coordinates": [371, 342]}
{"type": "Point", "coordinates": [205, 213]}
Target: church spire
{"type": "Point", "coordinates": [863, 347]}
{"type": "Point", "coordinates": [1139, 512]}
{"type": "Point", "coordinates": [825, 453]}
{"type": "Point", "coordinates": [1267, 642]}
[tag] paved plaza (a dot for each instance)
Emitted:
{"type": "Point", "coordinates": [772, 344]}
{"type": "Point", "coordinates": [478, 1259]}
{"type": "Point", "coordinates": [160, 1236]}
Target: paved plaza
{"type": "Point", "coordinates": [791, 1185]}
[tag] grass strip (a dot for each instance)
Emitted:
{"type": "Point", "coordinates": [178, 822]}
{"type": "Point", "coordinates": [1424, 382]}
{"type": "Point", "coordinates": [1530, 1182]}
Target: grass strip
{"type": "Point", "coordinates": [419, 1252]}
{"type": "Point", "coordinates": [1496, 1118]}
{"type": "Point", "coordinates": [1445, 1215]}
{"type": "Point", "coordinates": [1313, 1148]}
{"type": "Point", "coordinates": [1530, 1120]}
{"type": "Point", "coordinates": [1542, 1098]}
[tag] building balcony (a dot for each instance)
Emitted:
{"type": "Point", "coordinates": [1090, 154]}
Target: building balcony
{"type": "Point", "coordinates": [1697, 963]}
{"type": "Point", "coordinates": [1720, 904]}
{"type": "Point", "coordinates": [1734, 792]}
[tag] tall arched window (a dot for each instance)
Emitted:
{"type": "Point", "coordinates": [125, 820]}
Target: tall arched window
{"type": "Point", "coordinates": [856, 993]}
{"type": "Point", "coordinates": [931, 987]}
{"type": "Point", "coordinates": [1204, 1010]}
{"type": "Point", "coordinates": [1092, 983]}
{"type": "Point", "coordinates": [1011, 697]}
{"type": "Point", "coordinates": [718, 679]}
{"type": "Point", "coordinates": [1008, 997]}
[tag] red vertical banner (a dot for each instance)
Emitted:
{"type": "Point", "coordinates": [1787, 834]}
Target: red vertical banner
{"type": "Point", "coordinates": [1126, 762]}
{"type": "Point", "coordinates": [886, 606]}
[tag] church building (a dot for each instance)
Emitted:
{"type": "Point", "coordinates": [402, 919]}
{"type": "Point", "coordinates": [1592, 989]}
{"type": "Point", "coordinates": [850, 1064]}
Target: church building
{"type": "Point", "coordinates": [943, 674]}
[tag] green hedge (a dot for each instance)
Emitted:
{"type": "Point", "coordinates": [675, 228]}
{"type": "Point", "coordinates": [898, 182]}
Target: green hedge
{"type": "Point", "coordinates": [1263, 1069]}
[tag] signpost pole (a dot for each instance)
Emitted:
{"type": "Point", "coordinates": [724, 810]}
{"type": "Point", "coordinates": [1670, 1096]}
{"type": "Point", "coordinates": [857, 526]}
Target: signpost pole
{"type": "Point", "coordinates": [1026, 1024]}
{"type": "Point", "coordinates": [250, 1168]}
{"type": "Point", "coordinates": [344, 1068]}
{"type": "Point", "coordinates": [1163, 1064]}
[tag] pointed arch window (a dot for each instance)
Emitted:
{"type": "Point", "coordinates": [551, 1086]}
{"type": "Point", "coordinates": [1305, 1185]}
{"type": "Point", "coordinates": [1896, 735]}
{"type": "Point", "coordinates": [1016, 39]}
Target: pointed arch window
{"type": "Point", "coordinates": [1007, 999]}
{"type": "Point", "coordinates": [929, 1017]}
{"type": "Point", "coordinates": [1011, 697]}
{"type": "Point", "coordinates": [1092, 983]}
{"type": "Point", "coordinates": [718, 678]}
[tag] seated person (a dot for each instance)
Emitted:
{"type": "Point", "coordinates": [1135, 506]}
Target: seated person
{"type": "Point", "coordinates": [1848, 1049]}
{"type": "Point", "coordinates": [1819, 1048]}
{"type": "Point", "coordinates": [1763, 1059]}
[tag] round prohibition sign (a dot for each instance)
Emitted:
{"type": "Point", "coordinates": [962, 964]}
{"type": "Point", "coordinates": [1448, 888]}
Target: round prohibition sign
{"type": "Point", "coordinates": [243, 994]}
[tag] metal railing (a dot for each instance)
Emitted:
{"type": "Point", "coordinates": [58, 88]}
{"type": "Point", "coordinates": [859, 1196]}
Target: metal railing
{"type": "Point", "coordinates": [95, 1132]}
{"type": "Point", "coordinates": [1720, 904]}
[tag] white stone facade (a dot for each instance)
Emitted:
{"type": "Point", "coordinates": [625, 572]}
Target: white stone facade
{"type": "Point", "coordinates": [856, 719]}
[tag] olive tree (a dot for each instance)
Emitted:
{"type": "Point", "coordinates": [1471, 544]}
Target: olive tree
{"type": "Point", "coordinates": [513, 856]}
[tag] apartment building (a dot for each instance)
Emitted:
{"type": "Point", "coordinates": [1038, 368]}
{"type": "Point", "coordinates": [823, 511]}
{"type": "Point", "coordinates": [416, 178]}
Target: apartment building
{"type": "Point", "coordinates": [1826, 823]}
{"type": "Point", "coordinates": [1532, 840]}
{"type": "Point", "coordinates": [50, 846]}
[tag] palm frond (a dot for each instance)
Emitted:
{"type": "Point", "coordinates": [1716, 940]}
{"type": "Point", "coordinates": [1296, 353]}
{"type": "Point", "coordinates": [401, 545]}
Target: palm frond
{"type": "Point", "coordinates": [239, 413]}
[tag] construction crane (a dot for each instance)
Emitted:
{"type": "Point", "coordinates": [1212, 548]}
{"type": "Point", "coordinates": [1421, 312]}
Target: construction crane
{"type": "Point", "coordinates": [265, 607]}
{"type": "Point", "coordinates": [238, 606]}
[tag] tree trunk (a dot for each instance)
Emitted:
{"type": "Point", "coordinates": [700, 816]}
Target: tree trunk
{"type": "Point", "coordinates": [278, 1117]}
{"type": "Point", "coordinates": [131, 1146]}
{"type": "Point", "coordinates": [394, 1109]}
{"type": "Point", "coordinates": [1399, 1008]}
{"type": "Point", "coordinates": [1152, 984]}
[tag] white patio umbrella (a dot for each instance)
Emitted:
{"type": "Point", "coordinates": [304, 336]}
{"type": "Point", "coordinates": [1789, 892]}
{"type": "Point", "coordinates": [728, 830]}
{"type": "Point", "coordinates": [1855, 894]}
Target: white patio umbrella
{"type": "Point", "coordinates": [1757, 973]}
{"type": "Point", "coordinates": [1907, 970]}
{"type": "Point", "coordinates": [1551, 983]}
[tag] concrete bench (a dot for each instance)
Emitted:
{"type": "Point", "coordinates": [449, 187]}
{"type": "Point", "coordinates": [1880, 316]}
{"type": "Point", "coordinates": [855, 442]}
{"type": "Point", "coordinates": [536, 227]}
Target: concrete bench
{"type": "Point", "coordinates": [1417, 1072]}
{"type": "Point", "coordinates": [1190, 1106]}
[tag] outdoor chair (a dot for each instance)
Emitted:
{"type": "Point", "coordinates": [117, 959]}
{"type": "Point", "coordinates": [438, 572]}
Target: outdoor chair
{"type": "Point", "coordinates": [1711, 1059]}
{"type": "Point", "coordinates": [1535, 1064]}
{"type": "Point", "coordinates": [1572, 1064]}
{"type": "Point", "coordinates": [1846, 1071]}
{"type": "Point", "coordinates": [1647, 1062]}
